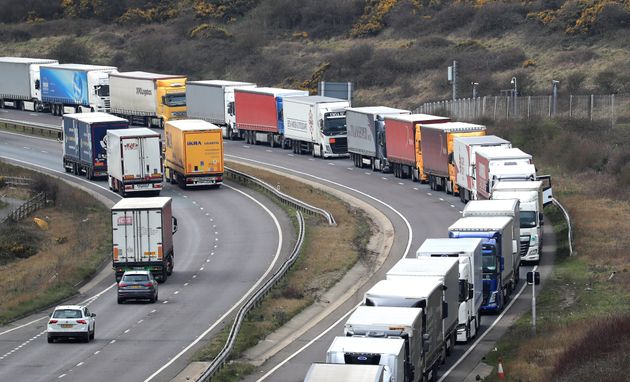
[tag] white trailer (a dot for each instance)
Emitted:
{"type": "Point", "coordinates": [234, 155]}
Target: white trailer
{"type": "Point", "coordinates": [389, 352]}
{"type": "Point", "coordinates": [464, 160]}
{"type": "Point", "coordinates": [134, 161]}
{"type": "Point", "coordinates": [494, 164]}
{"type": "Point", "coordinates": [213, 101]}
{"type": "Point", "coordinates": [20, 84]}
{"type": "Point", "coordinates": [447, 270]}
{"type": "Point", "coordinates": [316, 125]}
{"type": "Point", "coordinates": [326, 372]}
{"type": "Point", "coordinates": [468, 252]}
{"type": "Point", "coordinates": [142, 236]}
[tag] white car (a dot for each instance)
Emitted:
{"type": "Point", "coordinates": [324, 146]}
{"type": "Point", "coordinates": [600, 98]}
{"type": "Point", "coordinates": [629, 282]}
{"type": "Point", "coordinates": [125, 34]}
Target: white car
{"type": "Point", "coordinates": [68, 321]}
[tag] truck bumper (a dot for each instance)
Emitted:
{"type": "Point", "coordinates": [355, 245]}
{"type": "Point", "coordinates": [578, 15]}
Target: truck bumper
{"type": "Point", "coordinates": [461, 333]}
{"type": "Point", "coordinates": [140, 187]}
{"type": "Point", "coordinates": [531, 255]}
{"type": "Point", "coordinates": [204, 180]}
{"type": "Point", "coordinates": [490, 308]}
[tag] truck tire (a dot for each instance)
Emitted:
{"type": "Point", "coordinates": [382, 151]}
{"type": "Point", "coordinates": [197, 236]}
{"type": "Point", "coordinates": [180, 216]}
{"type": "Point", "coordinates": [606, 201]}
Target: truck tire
{"type": "Point", "coordinates": [170, 264]}
{"type": "Point", "coordinates": [270, 140]}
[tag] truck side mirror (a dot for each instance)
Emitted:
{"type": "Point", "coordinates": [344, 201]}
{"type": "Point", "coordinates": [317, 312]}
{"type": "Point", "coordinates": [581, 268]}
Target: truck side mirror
{"type": "Point", "coordinates": [425, 342]}
{"type": "Point", "coordinates": [444, 309]}
{"type": "Point", "coordinates": [541, 217]}
{"type": "Point", "coordinates": [471, 291]}
{"type": "Point", "coordinates": [174, 224]}
{"type": "Point", "coordinates": [37, 84]}
{"type": "Point", "coordinates": [230, 109]}
{"type": "Point", "coordinates": [502, 261]}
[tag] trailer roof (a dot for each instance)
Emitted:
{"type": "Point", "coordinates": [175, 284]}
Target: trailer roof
{"type": "Point", "coordinates": [134, 132]}
{"type": "Point", "coordinates": [83, 67]}
{"type": "Point", "coordinates": [481, 223]}
{"type": "Point", "coordinates": [385, 315]}
{"type": "Point", "coordinates": [96, 116]}
{"type": "Point", "coordinates": [524, 196]}
{"type": "Point", "coordinates": [423, 266]}
{"type": "Point", "coordinates": [448, 246]}
{"type": "Point", "coordinates": [409, 289]}
{"type": "Point", "coordinates": [193, 125]}
{"type": "Point", "coordinates": [367, 345]}
{"type": "Point", "coordinates": [494, 153]}
{"type": "Point", "coordinates": [417, 118]}
{"type": "Point", "coordinates": [381, 110]}
{"type": "Point", "coordinates": [26, 60]}
{"type": "Point", "coordinates": [220, 83]}
{"type": "Point", "coordinates": [531, 185]}
{"type": "Point", "coordinates": [344, 372]}
{"type": "Point", "coordinates": [315, 99]}
{"type": "Point", "coordinates": [141, 203]}
{"type": "Point", "coordinates": [275, 91]}
{"type": "Point", "coordinates": [454, 127]}
{"type": "Point", "coordinates": [147, 76]}
{"type": "Point", "coordinates": [491, 206]}
{"type": "Point", "coordinates": [482, 140]}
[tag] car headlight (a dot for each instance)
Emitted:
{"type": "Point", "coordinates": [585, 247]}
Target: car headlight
{"type": "Point", "coordinates": [493, 298]}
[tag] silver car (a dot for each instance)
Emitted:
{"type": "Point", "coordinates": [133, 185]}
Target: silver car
{"type": "Point", "coordinates": [137, 285]}
{"type": "Point", "coordinates": [71, 321]}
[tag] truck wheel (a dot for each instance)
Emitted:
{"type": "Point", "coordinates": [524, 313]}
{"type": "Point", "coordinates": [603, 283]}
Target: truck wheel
{"type": "Point", "coordinates": [270, 140]}
{"type": "Point", "coordinates": [169, 266]}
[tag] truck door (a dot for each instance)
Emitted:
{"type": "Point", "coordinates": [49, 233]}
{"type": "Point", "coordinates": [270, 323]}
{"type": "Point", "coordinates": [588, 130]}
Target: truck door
{"type": "Point", "coordinates": [150, 157]}
{"type": "Point", "coordinates": [132, 157]}
{"type": "Point", "coordinates": [547, 190]}
{"type": "Point", "coordinates": [137, 235]}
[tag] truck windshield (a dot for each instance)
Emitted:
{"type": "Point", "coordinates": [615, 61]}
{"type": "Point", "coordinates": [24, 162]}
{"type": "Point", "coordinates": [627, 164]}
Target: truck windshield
{"type": "Point", "coordinates": [489, 263]}
{"type": "Point", "coordinates": [102, 90]}
{"type": "Point", "coordinates": [528, 219]}
{"type": "Point", "coordinates": [334, 126]}
{"type": "Point", "coordinates": [175, 99]}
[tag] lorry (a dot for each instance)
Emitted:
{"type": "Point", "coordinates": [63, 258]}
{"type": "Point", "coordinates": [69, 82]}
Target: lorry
{"type": "Point", "coordinates": [366, 135]}
{"type": "Point", "coordinates": [447, 270]}
{"type": "Point", "coordinates": [494, 164]}
{"type": "Point", "coordinates": [468, 252]}
{"type": "Point", "coordinates": [530, 195]}
{"type": "Point", "coordinates": [316, 125]}
{"type": "Point", "coordinates": [213, 101]}
{"type": "Point", "coordinates": [85, 142]}
{"type": "Point", "coordinates": [148, 99]}
{"type": "Point", "coordinates": [464, 159]}
{"type": "Point", "coordinates": [326, 372]}
{"type": "Point", "coordinates": [20, 82]}
{"type": "Point", "coordinates": [392, 322]}
{"type": "Point", "coordinates": [142, 236]}
{"type": "Point", "coordinates": [194, 153]}
{"type": "Point", "coordinates": [75, 88]}
{"type": "Point", "coordinates": [500, 266]}
{"type": "Point", "coordinates": [402, 142]}
{"type": "Point", "coordinates": [134, 161]}
{"type": "Point", "coordinates": [425, 293]}
{"type": "Point", "coordinates": [437, 152]}
{"type": "Point", "coordinates": [260, 116]}
{"type": "Point", "coordinates": [506, 207]}
{"type": "Point", "coordinates": [388, 352]}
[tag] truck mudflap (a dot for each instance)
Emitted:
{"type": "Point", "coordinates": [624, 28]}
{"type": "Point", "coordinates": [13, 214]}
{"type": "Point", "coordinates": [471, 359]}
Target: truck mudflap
{"type": "Point", "coordinates": [160, 270]}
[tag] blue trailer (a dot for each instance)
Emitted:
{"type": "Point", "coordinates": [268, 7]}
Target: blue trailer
{"type": "Point", "coordinates": [85, 143]}
{"type": "Point", "coordinates": [500, 260]}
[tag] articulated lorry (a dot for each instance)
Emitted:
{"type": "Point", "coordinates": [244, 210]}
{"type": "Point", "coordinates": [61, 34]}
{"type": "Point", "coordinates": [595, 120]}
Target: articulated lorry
{"type": "Point", "coordinates": [447, 270]}
{"type": "Point", "coordinates": [500, 264]}
{"type": "Point", "coordinates": [213, 101]}
{"type": "Point", "coordinates": [76, 88]}
{"type": "Point", "coordinates": [470, 291]}
{"type": "Point", "coordinates": [403, 139]}
{"type": "Point", "coordinates": [391, 353]}
{"type": "Point", "coordinates": [390, 323]}
{"type": "Point", "coordinates": [495, 164]}
{"type": "Point", "coordinates": [316, 125]}
{"type": "Point", "coordinates": [134, 161]}
{"type": "Point", "coordinates": [85, 142]}
{"type": "Point", "coordinates": [142, 236]}
{"type": "Point", "coordinates": [260, 116]}
{"type": "Point", "coordinates": [464, 160]}
{"type": "Point", "coordinates": [148, 99]}
{"type": "Point", "coordinates": [425, 293]}
{"type": "Point", "coordinates": [530, 196]}
{"type": "Point", "coordinates": [327, 372]}
{"type": "Point", "coordinates": [437, 152]}
{"type": "Point", "coordinates": [20, 82]}
{"type": "Point", "coordinates": [194, 153]}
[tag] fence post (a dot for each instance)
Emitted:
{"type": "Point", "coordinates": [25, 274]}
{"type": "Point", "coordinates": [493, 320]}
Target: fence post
{"type": "Point", "coordinates": [529, 105]}
{"type": "Point", "coordinates": [591, 108]}
{"type": "Point", "coordinates": [549, 106]}
{"type": "Point", "coordinates": [571, 106]}
{"type": "Point", "coordinates": [612, 110]}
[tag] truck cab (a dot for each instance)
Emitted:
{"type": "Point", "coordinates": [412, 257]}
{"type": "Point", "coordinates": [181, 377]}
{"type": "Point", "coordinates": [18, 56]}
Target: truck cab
{"type": "Point", "coordinates": [171, 99]}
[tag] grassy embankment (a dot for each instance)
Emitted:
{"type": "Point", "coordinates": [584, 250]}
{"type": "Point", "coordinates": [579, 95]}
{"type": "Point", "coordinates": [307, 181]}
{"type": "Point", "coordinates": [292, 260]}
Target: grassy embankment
{"type": "Point", "coordinates": [39, 268]}
{"type": "Point", "coordinates": [328, 252]}
{"type": "Point", "coordinates": [583, 312]}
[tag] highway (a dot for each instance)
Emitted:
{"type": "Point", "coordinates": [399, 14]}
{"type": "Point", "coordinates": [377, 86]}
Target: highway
{"type": "Point", "coordinates": [416, 213]}
{"type": "Point", "coordinates": [226, 243]}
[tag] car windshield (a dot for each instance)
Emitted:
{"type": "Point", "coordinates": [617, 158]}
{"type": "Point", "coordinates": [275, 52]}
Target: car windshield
{"type": "Point", "coordinates": [334, 126]}
{"type": "Point", "coordinates": [528, 219]}
{"type": "Point", "coordinates": [135, 278]}
{"type": "Point", "coordinates": [67, 313]}
{"type": "Point", "coordinates": [175, 99]}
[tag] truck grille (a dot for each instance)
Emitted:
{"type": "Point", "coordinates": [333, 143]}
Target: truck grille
{"type": "Point", "coordinates": [524, 245]}
{"type": "Point", "coordinates": [107, 104]}
{"type": "Point", "coordinates": [340, 146]}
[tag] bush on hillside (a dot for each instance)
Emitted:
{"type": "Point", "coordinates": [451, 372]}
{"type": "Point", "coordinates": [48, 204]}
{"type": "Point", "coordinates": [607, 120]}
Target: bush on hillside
{"type": "Point", "coordinates": [613, 16]}
{"type": "Point", "coordinates": [71, 50]}
{"type": "Point", "coordinates": [496, 18]}
{"type": "Point", "coordinates": [16, 11]}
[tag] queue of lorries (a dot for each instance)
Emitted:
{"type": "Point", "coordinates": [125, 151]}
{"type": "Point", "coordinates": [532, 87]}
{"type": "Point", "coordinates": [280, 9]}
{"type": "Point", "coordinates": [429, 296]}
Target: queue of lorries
{"type": "Point", "coordinates": [409, 322]}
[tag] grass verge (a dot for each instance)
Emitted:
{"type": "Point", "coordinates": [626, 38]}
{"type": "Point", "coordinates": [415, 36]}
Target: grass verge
{"type": "Point", "coordinates": [327, 254]}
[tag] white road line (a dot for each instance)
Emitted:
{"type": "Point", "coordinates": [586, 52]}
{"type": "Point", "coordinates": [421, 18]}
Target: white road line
{"type": "Point", "coordinates": [260, 280]}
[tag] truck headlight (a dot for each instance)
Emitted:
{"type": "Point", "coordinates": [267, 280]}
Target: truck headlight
{"type": "Point", "coordinates": [533, 239]}
{"type": "Point", "coordinates": [493, 298]}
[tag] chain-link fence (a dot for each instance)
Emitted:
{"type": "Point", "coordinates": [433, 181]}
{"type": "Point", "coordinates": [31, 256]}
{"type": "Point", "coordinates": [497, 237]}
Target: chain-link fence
{"type": "Point", "coordinates": [614, 108]}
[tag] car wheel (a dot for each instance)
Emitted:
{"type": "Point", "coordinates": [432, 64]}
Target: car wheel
{"type": "Point", "coordinates": [86, 337]}
{"type": "Point", "coordinates": [50, 340]}
{"type": "Point", "coordinates": [93, 332]}
{"type": "Point", "coordinates": [120, 300]}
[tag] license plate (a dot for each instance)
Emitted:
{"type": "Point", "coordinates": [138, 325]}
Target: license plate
{"type": "Point", "coordinates": [135, 286]}
{"type": "Point", "coordinates": [143, 186]}
{"type": "Point", "coordinates": [65, 326]}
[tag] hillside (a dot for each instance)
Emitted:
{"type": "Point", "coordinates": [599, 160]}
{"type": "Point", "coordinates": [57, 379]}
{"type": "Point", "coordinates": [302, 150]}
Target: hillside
{"type": "Point", "coordinates": [395, 52]}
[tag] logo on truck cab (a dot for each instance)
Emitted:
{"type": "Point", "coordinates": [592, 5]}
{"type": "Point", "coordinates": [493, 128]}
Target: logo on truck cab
{"type": "Point", "coordinates": [144, 92]}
